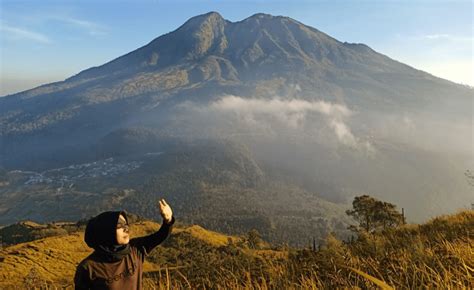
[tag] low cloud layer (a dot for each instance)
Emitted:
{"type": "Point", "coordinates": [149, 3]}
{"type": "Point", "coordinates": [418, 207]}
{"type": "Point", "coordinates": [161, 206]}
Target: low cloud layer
{"type": "Point", "coordinates": [416, 159]}
{"type": "Point", "coordinates": [277, 106]}
{"type": "Point", "coordinates": [280, 117]}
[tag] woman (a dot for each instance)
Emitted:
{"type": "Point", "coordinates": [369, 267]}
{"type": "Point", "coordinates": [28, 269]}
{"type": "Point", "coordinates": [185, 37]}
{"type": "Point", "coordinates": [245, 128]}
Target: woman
{"type": "Point", "coordinates": [117, 261]}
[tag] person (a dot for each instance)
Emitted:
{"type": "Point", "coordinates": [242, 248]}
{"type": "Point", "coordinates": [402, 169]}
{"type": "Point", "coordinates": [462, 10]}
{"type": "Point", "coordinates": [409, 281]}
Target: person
{"type": "Point", "coordinates": [117, 261]}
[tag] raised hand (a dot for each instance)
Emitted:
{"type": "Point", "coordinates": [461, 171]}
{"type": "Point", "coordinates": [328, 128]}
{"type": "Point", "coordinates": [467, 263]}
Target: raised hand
{"type": "Point", "coordinates": [165, 211]}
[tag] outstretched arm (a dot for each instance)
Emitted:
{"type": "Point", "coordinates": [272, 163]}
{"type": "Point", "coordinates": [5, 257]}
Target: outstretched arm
{"type": "Point", "coordinates": [148, 243]}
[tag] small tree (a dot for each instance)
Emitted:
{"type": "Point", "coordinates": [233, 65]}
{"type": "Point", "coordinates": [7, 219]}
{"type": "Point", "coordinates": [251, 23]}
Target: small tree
{"type": "Point", "coordinates": [373, 214]}
{"type": "Point", "coordinates": [254, 239]}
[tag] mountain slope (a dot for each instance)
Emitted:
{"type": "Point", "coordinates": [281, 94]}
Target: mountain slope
{"type": "Point", "coordinates": [216, 184]}
{"type": "Point", "coordinates": [319, 117]}
{"type": "Point", "coordinates": [211, 56]}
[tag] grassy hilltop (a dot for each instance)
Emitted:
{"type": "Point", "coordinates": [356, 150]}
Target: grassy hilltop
{"type": "Point", "coordinates": [437, 254]}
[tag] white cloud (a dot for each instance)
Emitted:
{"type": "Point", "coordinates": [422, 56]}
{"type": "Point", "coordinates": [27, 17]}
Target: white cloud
{"type": "Point", "coordinates": [91, 27]}
{"type": "Point", "coordinates": [17, 33]}
{"type": "Point", "coordinates": [435, 36]}
{"type": "Point", "coordinates": [44, 20]}
{"type": "Point", "coordinates": [280, 115]}
{"type": "Point", "coordinates": [445, 37]}
{"type": "Point", "coordinates": [279, 106]}
{"type": "Point", "coordinates": [343, 133]}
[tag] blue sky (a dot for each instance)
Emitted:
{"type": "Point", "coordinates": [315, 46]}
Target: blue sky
{"type": "Point", "coordinates": [46, 41]}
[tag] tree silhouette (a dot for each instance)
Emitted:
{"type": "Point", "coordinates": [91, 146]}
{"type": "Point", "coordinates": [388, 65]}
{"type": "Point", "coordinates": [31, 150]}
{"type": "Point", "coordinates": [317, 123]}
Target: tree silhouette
{"type": "Point", "coordinates": [254, 239]}
{"type": "Point", "coordinates": [373, 214]}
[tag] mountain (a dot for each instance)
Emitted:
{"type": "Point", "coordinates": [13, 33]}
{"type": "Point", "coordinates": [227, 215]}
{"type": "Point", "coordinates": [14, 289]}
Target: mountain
{"type": "Point", "coordinates": [204, 59]}
{"type": "Point", "coordinates": [265, 122]}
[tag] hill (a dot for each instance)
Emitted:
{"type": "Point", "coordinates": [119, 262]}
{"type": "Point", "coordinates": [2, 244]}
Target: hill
{"type": "Point", "coordinates": [437, 254]}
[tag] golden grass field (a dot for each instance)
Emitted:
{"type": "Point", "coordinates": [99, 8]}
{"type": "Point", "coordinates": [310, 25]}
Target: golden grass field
{"type": "Point", "coordinates": [436, 255]}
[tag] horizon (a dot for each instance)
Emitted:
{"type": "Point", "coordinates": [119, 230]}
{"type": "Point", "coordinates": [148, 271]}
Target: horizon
{"type": "Point", "coordinates": [69, 37]}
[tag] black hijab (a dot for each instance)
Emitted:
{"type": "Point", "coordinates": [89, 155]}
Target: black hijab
{"type": "Point", "coordinates": [101, 235]}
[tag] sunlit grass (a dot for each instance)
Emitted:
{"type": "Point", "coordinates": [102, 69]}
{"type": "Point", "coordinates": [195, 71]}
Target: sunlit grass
{"type": "Point", "coordinates": [435, 255]}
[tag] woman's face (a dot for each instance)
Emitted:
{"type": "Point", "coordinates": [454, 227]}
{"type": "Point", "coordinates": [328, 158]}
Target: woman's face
{"type": "Point", "coordinates": [123, 236]}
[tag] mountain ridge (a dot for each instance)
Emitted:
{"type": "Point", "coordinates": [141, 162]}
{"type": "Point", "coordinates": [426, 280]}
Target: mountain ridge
{"type": "Point", "coordinates": [146, 56]}
{"type": "Point", "coordinates": [314, 106]}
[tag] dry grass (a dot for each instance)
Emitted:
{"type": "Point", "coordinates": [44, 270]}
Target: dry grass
{"type": "Point", "coordinates": [210, 237]}
{"type": "Point", "coordinates": [438, 254]}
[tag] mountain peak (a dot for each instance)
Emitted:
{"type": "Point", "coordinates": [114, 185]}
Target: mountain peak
{"type": "Point", "coordinates": [212, 48]}
{"type": "Point", "coordinates": [213, 18]}
{"type": "Point", "coordinates": [203, 33]}
{"type": "Point", "coordinates": [212, 14]}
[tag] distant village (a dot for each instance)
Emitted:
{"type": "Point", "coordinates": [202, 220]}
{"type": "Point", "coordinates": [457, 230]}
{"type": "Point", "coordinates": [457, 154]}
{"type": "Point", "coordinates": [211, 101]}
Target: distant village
{"type": "Point", "coordinates": [67, 176]}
